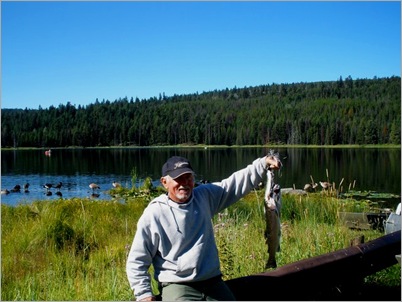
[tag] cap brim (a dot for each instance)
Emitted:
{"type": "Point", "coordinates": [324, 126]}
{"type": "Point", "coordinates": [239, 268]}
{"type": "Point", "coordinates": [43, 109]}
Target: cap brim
{"type": "Point", "coordinates": [179, 172]}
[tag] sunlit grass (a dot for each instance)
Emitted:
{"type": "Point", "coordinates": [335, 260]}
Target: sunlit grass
{"type": "Point", "coordinates": [67, 250]}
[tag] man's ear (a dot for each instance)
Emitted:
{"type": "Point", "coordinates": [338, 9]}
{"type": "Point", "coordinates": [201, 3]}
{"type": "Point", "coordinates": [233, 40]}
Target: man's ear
{"type": "Point", "coordinates": [164, 182]}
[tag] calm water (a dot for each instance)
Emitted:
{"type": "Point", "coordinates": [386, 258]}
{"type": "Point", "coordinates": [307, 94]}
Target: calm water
{"type": "Point", "coordinates": [372, 169]}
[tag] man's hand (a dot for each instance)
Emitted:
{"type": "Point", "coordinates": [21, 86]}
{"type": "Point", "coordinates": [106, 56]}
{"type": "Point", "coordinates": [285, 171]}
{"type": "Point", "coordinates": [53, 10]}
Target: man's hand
{"type": "Point", "coordinates": [273, 162]}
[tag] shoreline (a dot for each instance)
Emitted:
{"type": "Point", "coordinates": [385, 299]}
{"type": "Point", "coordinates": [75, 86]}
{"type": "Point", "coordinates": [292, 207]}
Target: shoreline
{"type": "Point", "coordinates": [183, 146]}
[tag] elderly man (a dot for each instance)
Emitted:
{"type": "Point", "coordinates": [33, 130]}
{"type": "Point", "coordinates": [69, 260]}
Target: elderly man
{"type": "Point", "coordinates": [175, 233]}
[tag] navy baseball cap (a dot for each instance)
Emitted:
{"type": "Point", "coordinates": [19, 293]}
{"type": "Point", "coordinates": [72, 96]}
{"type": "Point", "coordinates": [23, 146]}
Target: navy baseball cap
{"type": "Point", "coordinates": [176, 166]}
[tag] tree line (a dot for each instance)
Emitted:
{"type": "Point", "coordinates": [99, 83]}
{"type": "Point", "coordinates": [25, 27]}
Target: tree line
{"type": "Point", "coordinates": [345, 111]}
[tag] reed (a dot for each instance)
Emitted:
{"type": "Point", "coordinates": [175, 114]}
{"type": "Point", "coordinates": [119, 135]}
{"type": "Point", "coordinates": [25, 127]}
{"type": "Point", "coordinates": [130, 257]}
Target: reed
{"type": "Point", "coordinates": [76, 249]}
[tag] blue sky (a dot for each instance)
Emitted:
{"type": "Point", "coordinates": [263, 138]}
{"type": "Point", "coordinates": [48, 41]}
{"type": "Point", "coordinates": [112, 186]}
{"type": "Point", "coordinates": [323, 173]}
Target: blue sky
{"type": "Point", "coordinates": [58, 52]}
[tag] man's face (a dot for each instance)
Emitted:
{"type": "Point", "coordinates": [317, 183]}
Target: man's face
{"type": "Point", "coordinates": [180, 188]}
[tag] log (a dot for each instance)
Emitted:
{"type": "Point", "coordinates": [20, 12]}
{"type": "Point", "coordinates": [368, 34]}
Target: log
{"type": "Point", "coordinates": [322, 277]}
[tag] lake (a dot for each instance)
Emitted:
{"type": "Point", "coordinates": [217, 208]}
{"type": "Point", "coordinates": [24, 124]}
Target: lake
{"type": "Point", "coordinates": [375, 169]}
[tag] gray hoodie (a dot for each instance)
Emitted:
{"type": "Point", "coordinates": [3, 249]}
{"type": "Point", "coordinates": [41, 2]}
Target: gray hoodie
{"type": "Point", "coordinates": [178, 239]}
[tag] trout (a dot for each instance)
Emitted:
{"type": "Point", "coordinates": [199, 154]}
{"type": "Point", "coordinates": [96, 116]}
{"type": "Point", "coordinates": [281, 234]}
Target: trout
{"type": "Point", "coordinates": [272, 209]}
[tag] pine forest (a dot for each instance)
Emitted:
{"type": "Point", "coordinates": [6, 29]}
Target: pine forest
{"type": "Point", "coordinates": [341, 112]}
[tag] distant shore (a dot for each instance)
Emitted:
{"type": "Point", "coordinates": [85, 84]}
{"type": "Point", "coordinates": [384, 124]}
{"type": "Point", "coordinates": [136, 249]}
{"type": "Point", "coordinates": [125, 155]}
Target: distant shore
{"type": "Point", "coordinates": [210, 147]}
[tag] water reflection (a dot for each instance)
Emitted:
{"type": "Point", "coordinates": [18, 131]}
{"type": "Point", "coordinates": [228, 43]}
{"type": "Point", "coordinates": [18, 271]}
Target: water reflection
{"type": "Point", "coordinates": [370, 169]}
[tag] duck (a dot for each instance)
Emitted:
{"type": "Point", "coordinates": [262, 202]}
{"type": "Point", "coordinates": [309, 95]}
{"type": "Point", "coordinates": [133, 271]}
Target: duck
{"type": "Point", "coordinates": [17, 188]}
{"type": "Point", "coordinates": [310, 187]}
{"type": "Point", "coordinates": [5, 191]}
{"type": "Point", "coordinates": [325, 185]}
{"type": "Point", "coordinates": [26, 188]}
{"type": "Point", "coordinates": [93, 186]}
{"type": "Point", "coordinates": [58, 186]}
{"type": "Point", "coordinates": [48, 186]}
{"type": "Point", "coordinates": [116, 184]}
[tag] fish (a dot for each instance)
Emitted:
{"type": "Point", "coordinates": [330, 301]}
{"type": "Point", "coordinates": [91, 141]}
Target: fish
{"type": "Point", "coordinates": [272, 211]}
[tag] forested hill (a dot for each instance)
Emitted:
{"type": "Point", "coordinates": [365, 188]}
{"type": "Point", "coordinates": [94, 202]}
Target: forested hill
{"type": "Point", "coordinates": [345, 111]}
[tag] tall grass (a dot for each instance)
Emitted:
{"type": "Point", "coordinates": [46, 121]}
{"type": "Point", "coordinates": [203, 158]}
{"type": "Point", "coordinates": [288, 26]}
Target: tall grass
{"type": "Point", "coordinates": [67, 250]}
{"type": "Point", "coordinates": [76, 249]}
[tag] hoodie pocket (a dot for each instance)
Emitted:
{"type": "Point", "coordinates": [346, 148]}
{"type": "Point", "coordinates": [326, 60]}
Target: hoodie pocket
{"type": "Point", "coordinates": [188, 262]}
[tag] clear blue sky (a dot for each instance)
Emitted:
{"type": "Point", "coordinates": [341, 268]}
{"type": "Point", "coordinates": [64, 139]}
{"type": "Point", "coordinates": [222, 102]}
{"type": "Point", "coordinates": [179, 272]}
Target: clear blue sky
{"type": "Point", "coordinates": [59, 52]}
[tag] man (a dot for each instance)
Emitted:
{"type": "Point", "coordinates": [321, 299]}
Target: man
{"type": "Point", "coordinates": [175, 233]}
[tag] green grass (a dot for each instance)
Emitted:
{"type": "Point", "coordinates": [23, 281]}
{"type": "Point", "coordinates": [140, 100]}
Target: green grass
{"type": "Point", "coordinates": [76, 249]}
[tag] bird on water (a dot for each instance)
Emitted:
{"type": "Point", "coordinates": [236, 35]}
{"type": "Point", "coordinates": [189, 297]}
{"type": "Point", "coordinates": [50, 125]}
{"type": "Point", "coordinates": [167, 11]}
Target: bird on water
{"type": "Point", "coordinates": [116, 184]}
{"type": "Point", "coordinates": [58, 186]}
{"type": "Point", "coordinates": [17, 188]}
{"type": "Point", "coordinates": [48, 186]}
{"type": "Point", "coordinates": [93, 186]}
